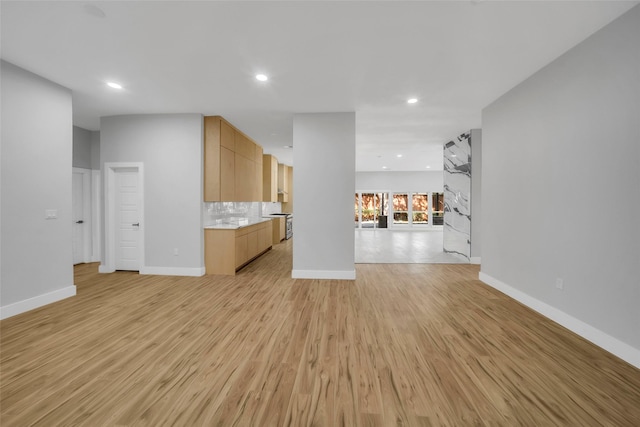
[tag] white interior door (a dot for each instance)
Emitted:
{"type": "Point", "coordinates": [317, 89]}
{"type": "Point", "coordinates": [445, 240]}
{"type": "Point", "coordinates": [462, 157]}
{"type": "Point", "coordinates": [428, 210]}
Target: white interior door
{"type": "Point", "coordinates": [79, 223]}
{"type": "Point", "coordinates": [127, 220]}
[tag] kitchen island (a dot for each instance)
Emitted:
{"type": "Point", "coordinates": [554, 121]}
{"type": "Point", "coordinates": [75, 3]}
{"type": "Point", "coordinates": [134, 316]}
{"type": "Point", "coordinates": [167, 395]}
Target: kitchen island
{"type": "Point", "coordinates": [232, 243]}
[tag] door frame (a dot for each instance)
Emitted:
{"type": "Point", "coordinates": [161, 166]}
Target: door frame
{"type": "Point", "coordinates": [86, 213]}
{"type": "Point", "coordinates": [110, 170]}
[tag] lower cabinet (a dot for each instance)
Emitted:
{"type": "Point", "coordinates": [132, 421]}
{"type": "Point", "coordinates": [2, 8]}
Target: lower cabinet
{"type": "Point", "coordinates": [226, 251]}
{"type": "Point", "coordinates": [279, 229]}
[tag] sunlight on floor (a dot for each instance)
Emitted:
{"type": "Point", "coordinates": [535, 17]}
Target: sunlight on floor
{"type": "Point", "coordinates": [381, 246]}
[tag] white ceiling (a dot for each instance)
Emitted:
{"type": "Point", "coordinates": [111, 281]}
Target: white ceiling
{"type": "Point", "coordinates": [368, 57]}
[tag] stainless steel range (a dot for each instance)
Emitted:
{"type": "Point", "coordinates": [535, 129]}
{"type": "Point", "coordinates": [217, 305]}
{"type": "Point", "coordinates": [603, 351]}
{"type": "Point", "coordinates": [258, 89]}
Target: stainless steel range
{"type": "Point", "coordinates": [289, 232]}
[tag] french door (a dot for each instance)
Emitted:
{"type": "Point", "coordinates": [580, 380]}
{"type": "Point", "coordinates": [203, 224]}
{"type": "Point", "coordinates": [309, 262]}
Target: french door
{"type": "Point", "coordinates": [371, 210]}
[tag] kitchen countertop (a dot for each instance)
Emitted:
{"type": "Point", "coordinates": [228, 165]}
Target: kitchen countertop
{"type": "Point", "coordinates": [234, 223]}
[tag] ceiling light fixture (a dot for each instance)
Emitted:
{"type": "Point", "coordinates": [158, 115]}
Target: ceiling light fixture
{"type": "Point", "coordinates": [398, 155]}
{"type": "Point", "coordinates": [428, 167]}
{"type": "Point", "coordinates": [412, 100]}
{"type": "Point", "coordinates": [262, 77]}
{"type": "Point", "coordinates": [114, 85]}
{"type": "Point", "coordinates": [384, 167]}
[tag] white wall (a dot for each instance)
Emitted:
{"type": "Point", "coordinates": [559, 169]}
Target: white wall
{"type": "Point", "coordinates": [170, 146]}
{"type": "Point", "coordinates": [36, 258]}
{"type": "Point", "coordinates": [427, 181]}
{"type": "Point", "coordinates": [324, 176]}
{"type": "Point", "coordinates": [561, 189]}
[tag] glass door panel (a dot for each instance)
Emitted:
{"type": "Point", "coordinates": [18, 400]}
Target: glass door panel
{"type": "Point", "coordinates": [400, 209]}
{"type": "Point", "coordinates": [437, 204]}
{"type": "Point", "coordinates": [370, 209]}
{"type": "Point", "coordinates": [420, 207]}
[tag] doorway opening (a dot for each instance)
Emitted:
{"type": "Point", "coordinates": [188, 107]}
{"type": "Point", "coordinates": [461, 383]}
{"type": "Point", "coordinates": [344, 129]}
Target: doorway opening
{"type": "Point", "coordinates": [81, 216]}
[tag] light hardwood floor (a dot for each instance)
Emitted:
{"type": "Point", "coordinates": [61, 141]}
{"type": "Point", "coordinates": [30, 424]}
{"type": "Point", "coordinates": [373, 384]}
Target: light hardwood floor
{"type": "Point", "coordinates": [410, 344]}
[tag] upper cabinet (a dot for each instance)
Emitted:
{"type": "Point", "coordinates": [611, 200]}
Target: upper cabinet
{"type": "Point", "coordinates": [269, 178]}
{"type": "Point", "coordinates": [232, 172]}
{"type": "Point", "coordinates": [283, 182]}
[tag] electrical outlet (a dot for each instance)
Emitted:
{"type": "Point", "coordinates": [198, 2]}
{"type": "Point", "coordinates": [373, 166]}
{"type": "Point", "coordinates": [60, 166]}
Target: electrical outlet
{"type": "Point", "coordinates": [51, 213]}
{"type": "Point", "coordinates": [559, 284]}
{"type": "Point", "coordinates": [175, 251]}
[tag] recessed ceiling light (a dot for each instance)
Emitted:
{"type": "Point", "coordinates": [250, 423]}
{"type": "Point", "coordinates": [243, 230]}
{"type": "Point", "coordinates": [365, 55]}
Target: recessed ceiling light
{"type": "Point", "coordinates": [384, 167]}
{"type": "Point", "coordinates": [412, 100]}
{"type": "Point", "coordinates": [428, 167]}
{"type": "Point", "coordinates": [261, 77]}
{"type": "Point", "coordinates": [114, 85]}
{"type": "Point", "coordinates": [398, 155]}
{"type": "Point", "coordinates": [454, 155]}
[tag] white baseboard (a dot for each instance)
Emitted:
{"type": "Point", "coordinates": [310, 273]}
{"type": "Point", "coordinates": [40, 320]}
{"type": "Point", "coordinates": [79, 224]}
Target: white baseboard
{"type": "Point", "coordinates": [475, 260]}
{"type": "Point", "coordinates": [36, 302]}
{"type": "Point", "coordinates": [104, 269]}
{"type": "Point", "coordinates": [324, 274]}
{"type": "Point", "coordinates": [613, 345]}
{"type": "Point", "coordinates": [173, 271]}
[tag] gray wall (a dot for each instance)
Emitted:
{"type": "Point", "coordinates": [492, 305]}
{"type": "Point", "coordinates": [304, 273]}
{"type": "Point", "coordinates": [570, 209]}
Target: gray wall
{"type": "Point", "coordinates": [476, 195]}
{"type": "Point", "coordinates": [560, 185]}
{"type": "Point", "coordinates": [86, 148]}
{"type": "Point", "coordinates": [324, 176]}
{"type": "Point", "coordinates": [95, 150]}
{"type": "Point", "coordinates": [170, 146]}
{"type": "Point", "coordinates": [37, 265]}
{"type": "Point", "coordinates": [419, 181]}
{"type": "Point", "coordinates": [81, 148]}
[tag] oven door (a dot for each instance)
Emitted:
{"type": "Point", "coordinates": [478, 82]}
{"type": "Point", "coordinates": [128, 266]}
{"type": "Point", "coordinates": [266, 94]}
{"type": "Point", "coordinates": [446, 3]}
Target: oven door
{"type": "Point", "coordinates": [289, 228]}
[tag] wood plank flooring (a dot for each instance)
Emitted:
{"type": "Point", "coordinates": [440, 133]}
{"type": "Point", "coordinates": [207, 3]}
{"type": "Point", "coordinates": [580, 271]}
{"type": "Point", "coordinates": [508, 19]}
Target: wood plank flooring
{"type": "Point", "coordinates": [403, 345]}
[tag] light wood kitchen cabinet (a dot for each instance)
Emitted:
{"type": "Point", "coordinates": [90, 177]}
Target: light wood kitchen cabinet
{"type": "Point", "coordinates": [288, 205]}
{"type": "Point", "coordinates": [228, 250]}
{"type": "Point", "coordinates": [220, 251]}
{"type": "Point", "coordinates": [283, 183]}
{"type": "Point", "coordinates": [279, 230]}
{"type": "Point", "coordinates": [212, 169]}
{"type": "Point", "coordinates": [244, 146]}
{"type": "Point", "coordinates": [227, 135]}
{"type": "Point", "coordinates": [227, 174]}
{"type": "Point", "coordinates": [269, 178]}
{"type": "Point", "coordinates": [257, 189]}
{"type": "Point", "coordinates": [244, 178]}
{"type": "Point", "coordinates": [242, 251]}
{"type": "Point", "coordinates": [264, 237]}
{"type": "Point", "coordinates": [232, 172]}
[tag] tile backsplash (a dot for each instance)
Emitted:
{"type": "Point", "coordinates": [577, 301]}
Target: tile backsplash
{"type": "Point", "coordinates": [212, 211]}
{"type": "Point", "coordinates": [271, 207]}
